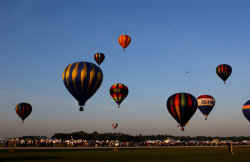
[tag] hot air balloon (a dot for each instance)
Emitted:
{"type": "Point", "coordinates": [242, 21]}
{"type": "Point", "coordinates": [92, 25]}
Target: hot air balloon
{"type": "Point", "coordinates": [23, 110]}
{"type": "Point", "coordinates": [99, 57]}
{"type": "Point", "coordinates": [118, 92]}
{"type": "Point", "coordinates": [246, 110]}
{"type": "Point", "coordinates": [182, 107]}
{"type": "Point", "coordinates": [205, 104]}
{"type": "Point", "coordinates": [82, 80]}
{"type": "Point", "coordinates": [114, 125]}
{"type": "Point", "coordinates": [124, 41]}
{"type": "Point", "coordinates": [224, 71]}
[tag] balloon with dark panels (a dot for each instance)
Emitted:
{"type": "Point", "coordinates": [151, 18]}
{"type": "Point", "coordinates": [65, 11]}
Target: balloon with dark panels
{"type": "Point", "coordinates": [23, 110]}
{"type": "Point", "coordinates": [82, 80]}
{"type": "Point", "coordinates": [99, 58]}
{"type": "Point", "coordinates": [118, 92]}
{"type": "Point", "coordinates": [182, 107]}
{"type": "Point", "coordinates": [224, 71]}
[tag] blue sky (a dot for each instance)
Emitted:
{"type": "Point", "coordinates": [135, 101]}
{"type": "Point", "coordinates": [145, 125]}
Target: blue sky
{"type": "Point", "coordinates": [40, 38]}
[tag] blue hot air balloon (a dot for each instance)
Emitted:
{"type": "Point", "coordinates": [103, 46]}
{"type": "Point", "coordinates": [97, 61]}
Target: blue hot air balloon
{"type": "Point", "coordinates": [246, 110]}
{"type": "Point", "coordinates": [205, 104]}
{"type": "Point", "coordinates": [82, 80]}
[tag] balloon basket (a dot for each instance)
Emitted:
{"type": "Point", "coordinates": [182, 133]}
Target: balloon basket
{"type": "Point", "coordinates": [81, 109]}
{"type": "Point", "coordinates": [181, 128]}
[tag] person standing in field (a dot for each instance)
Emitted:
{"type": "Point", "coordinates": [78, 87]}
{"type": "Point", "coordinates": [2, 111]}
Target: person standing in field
{"type": "Point", "coordinates": [231, 148]}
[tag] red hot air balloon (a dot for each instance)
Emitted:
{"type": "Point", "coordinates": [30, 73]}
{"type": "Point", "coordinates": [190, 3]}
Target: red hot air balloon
{"type": "Point", "coordinates": [124, 41]}
{"type": "Point", "coordinates": [23, 110]}
{"type": "Point", "coordinates": [114, 125]}
{"type": "Point", "coordinates": [118, 92]}
{"type": "Point", "coordinates": [182, 107]}
{"type": "Point", "coordinates": [99, 57]}
{"type": "Point", "coordinates": [224, 71]}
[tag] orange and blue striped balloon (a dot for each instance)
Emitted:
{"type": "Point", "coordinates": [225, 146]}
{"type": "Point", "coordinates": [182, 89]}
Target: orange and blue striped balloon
{"type": "Point", "coordinates": [246, 110]}
{"type": "Point", "coordinates": [82, 80]}
{"type": "Point", "coordinates": [182, 107]}
{"type": "Point", "coordinates": [23, 110]}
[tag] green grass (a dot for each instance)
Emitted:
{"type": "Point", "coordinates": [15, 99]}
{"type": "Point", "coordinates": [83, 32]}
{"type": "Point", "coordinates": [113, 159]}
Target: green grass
{"type": "Point", "coordinates": [130, 155]}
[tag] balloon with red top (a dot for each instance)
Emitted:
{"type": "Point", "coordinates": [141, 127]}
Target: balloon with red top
{"type": "Point", "coordinates": [118, 92]}
{"type": "Point", "coordinates": [205, 104]}
{"type": "Point", "coordinates": [124, 41]}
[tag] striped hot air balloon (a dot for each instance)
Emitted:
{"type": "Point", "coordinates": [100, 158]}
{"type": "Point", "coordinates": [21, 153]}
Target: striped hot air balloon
{"type": "Point", "coordinates": [224, 71]}
{"type": "Point", "coordinates": [82, 80]}
{"type": "Point", "coordinates": [246, 110]}
{"type": "Point", "coordinates": [23, 110]}
{"type": "Point", "coordinates": [99, 57]}
{"type": "Point", "coordinates": [124, 41]}
{"type": "Point", "coordinates": [205, 104]}
{"type": "Point", "coordinates": [118, 92]}
{"type": "Point", "coordinates": [182, 107]}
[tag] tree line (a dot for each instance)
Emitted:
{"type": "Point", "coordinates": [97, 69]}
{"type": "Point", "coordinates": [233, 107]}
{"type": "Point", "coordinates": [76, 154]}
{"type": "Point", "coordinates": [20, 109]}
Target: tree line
{"type": "Point", "coordinates": [138, 138]}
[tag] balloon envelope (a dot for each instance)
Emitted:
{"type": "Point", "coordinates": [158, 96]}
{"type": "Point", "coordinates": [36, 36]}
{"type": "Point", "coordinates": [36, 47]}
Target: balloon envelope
{"type": "Point", "coordinates": [124, 41]}
{"type": "Point", "coordinates": [23, 110]}
{"type": "Point", "coordinates": [224, 71]}
{"type": "Point", "coordinates": [82, 80]}
{"type": "Point", "coordinates": [182, 107]}
{"type": "Point", "coordinates": [205, 104]}
{"type": "Point", "coordinates": [246, 110]}
{"type": "Point", "coordinates": [99, 57]}
{"type": "Point", "coordinates": [114, 125]}
{"type": "Point", "coordinates": [118, 92]}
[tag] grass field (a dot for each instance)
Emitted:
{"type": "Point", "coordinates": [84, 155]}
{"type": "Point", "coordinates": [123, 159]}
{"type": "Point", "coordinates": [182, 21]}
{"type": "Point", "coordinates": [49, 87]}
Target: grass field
{"type": "Point", "coordinates": [190, 154]}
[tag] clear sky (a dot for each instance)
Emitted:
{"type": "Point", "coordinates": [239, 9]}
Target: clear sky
{"type": "Point", "coordinates": [38, 39]}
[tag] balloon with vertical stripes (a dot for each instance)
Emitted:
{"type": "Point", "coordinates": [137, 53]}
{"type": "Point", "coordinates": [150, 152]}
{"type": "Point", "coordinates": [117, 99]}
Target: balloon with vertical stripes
{"type": "Point", "coordinates": [82, 80]}
{"type": "Point", "coordinates": [23, 110]}
{"type": "Point", "coordinates": [182, 107]}
{"type": "Point", "coordinates": [124, 41]}
{"type": "Point", "coordinates": [224, 71]}
{"type": "Point", "coordinates": [118, 92]}
{"type": "Point", "coordinates": [99, 58]}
